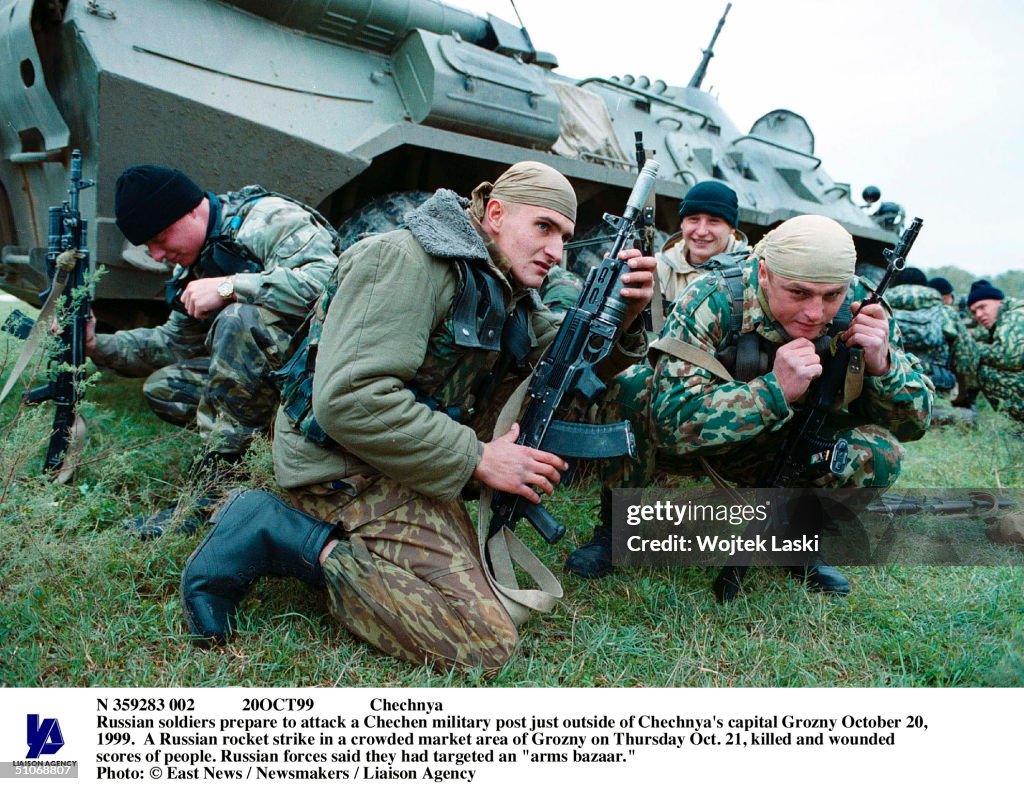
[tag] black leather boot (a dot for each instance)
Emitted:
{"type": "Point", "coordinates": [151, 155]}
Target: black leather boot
{"type": "Point", "coordinates": [254, 535]}
{"type": "Point", "coordinates": [594, 559]}
{"type": "Point", "coordinates": [818, 576]}
{"type": "Point", "coordinates": [807, 516]}
{"type": "Point", "coordinates": [187, 515]}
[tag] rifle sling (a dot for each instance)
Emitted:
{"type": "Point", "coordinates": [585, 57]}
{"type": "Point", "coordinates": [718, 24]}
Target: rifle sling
{"type": "Point", "coordinates": [39, 331]}
{"type": "Point", "coordinates": [73, 455]}
{"type": "Point", "coordinates": [682, 350]}
{"type": "Point", "coordinates": [500, 551]}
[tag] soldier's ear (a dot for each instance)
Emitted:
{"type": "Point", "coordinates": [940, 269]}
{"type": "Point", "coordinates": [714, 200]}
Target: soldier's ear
{"type": "Point", "coordinates": [494, 215]}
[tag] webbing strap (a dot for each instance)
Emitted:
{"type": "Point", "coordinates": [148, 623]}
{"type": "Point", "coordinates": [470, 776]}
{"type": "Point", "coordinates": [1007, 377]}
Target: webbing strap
{"type": "Point", "coordinates": [657, 306]}
{"type": "Point", "coordinates": [502, 551]}
{"type": "Point", "coordinates": [682, 350]}
{"type": "Point", "coordinates": [39, 331]}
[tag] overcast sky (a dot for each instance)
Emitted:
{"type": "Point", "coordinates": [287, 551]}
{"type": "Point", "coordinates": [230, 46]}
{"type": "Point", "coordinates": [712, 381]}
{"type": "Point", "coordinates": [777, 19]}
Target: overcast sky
{"type": "Point", "coordinates": [922, 98]}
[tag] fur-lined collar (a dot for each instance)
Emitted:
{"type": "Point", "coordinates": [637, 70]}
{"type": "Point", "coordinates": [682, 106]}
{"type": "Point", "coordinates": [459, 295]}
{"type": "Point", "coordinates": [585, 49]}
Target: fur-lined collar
{"type": "Point", "coordinates": [442, 227]}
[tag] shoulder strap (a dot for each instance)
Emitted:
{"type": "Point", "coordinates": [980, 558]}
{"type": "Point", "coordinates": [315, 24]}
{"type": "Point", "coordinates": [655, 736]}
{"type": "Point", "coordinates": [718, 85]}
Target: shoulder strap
{"type": "Point", "coordinates": [727, 265]}
{"type": "Point", "coordinates": [335, 236]}
{"type": "Point", "coordinates": [479, 313]}
{"type": "Point", "coordinates": [682, 350]}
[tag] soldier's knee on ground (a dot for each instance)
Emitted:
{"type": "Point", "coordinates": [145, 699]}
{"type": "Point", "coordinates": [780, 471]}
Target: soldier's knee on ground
{"type": "Point", "coordinates": [169, 403]}
{"type": "Point", "coordinates": [884, 462]}
{"type": "Point", "coordinates": [468, 631]}
{"type": "Point", "coordinates": [246, 337]}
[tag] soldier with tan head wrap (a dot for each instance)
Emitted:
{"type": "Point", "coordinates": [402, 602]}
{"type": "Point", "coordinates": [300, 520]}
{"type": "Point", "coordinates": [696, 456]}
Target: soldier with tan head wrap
{"type": "Point", "coordinates": [737, 357]}
{"type": "Point", "coordinates": [378, 431]}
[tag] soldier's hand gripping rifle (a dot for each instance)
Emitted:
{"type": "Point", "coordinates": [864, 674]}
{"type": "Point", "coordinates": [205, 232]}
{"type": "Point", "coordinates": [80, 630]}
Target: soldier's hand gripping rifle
{"type": "Point", "coordinates": [68, 301]}
{"type": "Point", "coordinates": [805, 447]}
{"type": "Point", "coordinates": [585, 338]}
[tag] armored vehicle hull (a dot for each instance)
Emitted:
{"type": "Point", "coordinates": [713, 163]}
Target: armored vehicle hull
{"type": "Point", "coordinates": [338, 103]}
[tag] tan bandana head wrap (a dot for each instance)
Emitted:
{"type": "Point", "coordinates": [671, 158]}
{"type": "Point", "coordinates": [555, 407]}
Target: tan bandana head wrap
{"type": "Point", "coordinates": [811, 248]}
{"type": "Point", "coordinates": [532, 183]}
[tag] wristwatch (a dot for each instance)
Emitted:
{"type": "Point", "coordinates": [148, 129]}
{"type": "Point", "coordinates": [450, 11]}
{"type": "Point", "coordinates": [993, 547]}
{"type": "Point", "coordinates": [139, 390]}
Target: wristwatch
{"type": "Point", "coordinates": [226, 289]}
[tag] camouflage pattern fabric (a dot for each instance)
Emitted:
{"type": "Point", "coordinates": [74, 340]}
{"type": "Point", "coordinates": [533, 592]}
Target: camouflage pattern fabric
{"type": "Point", "coordinates": [929, 329]}
{"type": "Point", "coordinates": [560, 290]}
{"type": "Point", "coordinates": [141, 351]}
{"type": "Point", "coordinates": [229, 392]}
{"type": "Point", "coordinates": [243, 343]}
{"type": "Point", "coordinates": [740, 426]}
{"type": "Point", "coordinates": [407, 577]}
{"type": "Point", "coordinates": [174, 391]}
{"type": "Point", "coordinates": [999, 363]}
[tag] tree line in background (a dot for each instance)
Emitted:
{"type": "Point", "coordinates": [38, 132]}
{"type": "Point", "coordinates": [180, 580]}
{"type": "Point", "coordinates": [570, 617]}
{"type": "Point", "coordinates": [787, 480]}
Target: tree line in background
{"type": "Point", "coordinates": [1010, 283]}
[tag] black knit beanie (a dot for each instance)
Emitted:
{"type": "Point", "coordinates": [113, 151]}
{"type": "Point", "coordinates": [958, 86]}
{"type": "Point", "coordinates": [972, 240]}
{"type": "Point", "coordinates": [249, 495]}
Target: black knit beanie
{"type": "Point", "coordinates": [910, 276]}
{"type": "Point", "coordinates": [941, 285]}
{"type": "Point", "coordinates": [711, 197]}
{"type": "Point", "coordinates": [149, 198]}
{"type": "Point", "coordinates": [982, 289]}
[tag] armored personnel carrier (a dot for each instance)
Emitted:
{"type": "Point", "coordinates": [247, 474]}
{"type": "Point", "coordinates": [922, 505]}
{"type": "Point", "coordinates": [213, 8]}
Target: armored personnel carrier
{"type": "Point", "coordinates": [342, 103]}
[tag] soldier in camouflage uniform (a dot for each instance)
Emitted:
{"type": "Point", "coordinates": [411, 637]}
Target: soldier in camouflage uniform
{"type": "Point", "coordinates": [930, 329]}
{"type": "Point", "coordinates": [945, 289]}
{"type": "Point", "coordinates": [560, 290]}
{"type": "Point", "coordinates": [997, 362]}
{"type": "Point", "coordinates": [211, 360]}
{"type": "Point", "coordinates": [380, 440]}
{"type": "Point", "coordinates": [793, 287]}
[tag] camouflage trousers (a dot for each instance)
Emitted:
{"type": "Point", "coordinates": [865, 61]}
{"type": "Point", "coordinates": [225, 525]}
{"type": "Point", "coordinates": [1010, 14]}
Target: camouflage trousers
{"type": "Point", "coordinates": [875, 455]}
{"type": "Point", "coordinates": [406, 576]}
{"type": "Point", "coordinates": [230, 393]}
{"type": "Point", "coordinates": [1004, 390]}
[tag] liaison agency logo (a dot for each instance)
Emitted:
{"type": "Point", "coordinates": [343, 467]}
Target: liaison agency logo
{"type": "Point", "coordinates": [44, 737]}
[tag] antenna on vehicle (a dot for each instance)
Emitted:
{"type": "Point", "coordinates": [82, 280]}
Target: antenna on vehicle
{"type": "Point", "coordinates": [709, 53]}
{"type": "Point", "coordinates": [516, 10]}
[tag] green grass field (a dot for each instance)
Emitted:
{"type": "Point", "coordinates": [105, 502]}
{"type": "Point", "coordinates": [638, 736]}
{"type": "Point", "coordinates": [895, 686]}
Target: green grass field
{"type": "Point", "coordinates": [83, 603]}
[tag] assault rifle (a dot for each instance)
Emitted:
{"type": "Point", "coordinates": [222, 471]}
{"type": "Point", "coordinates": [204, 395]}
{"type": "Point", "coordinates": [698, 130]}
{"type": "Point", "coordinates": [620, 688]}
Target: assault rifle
{"type": "Point", "coordinates": [654, 313]}
{"type": "Point", "coordinates": [805, 447]}
{"type": "Point", "coordinates": [68, 302]}
{"type": "Point", "coordinates": [982, 502]}
{"type": "Point", "coordinates": [584, 339]}
{"type": "Point", "coordinates": [645, 222]}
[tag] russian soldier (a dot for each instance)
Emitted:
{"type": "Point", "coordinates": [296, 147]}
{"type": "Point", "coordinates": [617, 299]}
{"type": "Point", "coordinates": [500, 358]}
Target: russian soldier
{"type": "Point", "coordinates": [421, 324]}
{"type": "Point", "coordinates": [211, 360]}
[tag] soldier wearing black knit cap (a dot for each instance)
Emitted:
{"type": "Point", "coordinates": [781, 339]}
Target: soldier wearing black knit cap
{"type": "Point", "coordinates": [708, 219]}
{"type": "Point", "coordinates": [254, 264]}
{"type": "Point", "coordinates": [945, 288]}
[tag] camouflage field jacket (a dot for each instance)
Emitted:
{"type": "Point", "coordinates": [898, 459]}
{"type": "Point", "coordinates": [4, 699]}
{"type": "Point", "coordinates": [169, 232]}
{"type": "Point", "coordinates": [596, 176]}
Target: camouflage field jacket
{"type": "Point", "coordinates": [1004, 349]}
{"type": "Point", "coordinates": [298, 257]}
{"type": "Point", "coordinates": [695, 411]}
{"type": "Point", "coordinates": [388, 338]}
